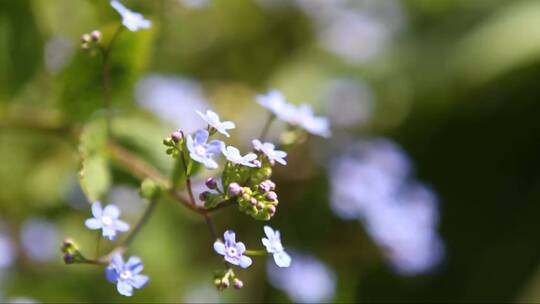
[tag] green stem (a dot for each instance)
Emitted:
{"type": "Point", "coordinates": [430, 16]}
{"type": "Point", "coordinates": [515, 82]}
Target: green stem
{"type": "Point", "coordinates": [107, 79]}
{"type": "Point", "coordinates": [255, 252]}
{"type": "Point", "coordinates": [266, 127]}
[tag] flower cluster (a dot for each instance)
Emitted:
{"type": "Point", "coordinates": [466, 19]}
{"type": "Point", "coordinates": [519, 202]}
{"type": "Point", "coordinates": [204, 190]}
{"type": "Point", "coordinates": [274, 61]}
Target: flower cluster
{"type": "Point", "coordinates": [245, 178]}
{"type": "Point", "coordinates": [235, 253]}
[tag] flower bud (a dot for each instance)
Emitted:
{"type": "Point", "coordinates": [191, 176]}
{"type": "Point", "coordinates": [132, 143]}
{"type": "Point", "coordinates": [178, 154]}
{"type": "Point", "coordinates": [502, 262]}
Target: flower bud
{"type": "Point", "coordinates": [271, 196]}
{"type": "Point", "coordinates": [69, 258]}
{"type": "Point", "coordinates": [271, 209]}
{"type": "Point", "coordinates": [211, 183]}
{"type": "Point", "coordinates": [260, 206]}
{"type": "Point", "coordinates": [217, 282]}
{"type": "Point", "coordinates": [253, 201]}
{"type": "Point", "coordinates": [85, 38]}
{"type": "Point", "coordinates": [204, 195]}
{"type": "Point", "coordinates": [257, 163]}
{"type": "Point", "coordinates": [225, 284]}
{"type": "Point", "coordinates": [238, 283]}
{"type": "Point", "coordinates": [234, 189]}
{"type": "Point", "coordinates": [176, 136]}
{"type": "Point", "coordinates": [168, 141]}
{"type": "Point", "coordinates": [95, 36]}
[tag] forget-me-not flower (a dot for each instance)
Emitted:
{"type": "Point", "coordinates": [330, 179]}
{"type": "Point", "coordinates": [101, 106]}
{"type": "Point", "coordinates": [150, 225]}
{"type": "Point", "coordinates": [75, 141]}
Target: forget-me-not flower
{"type": "Point", "coordinates": [232, 251]}
{"type": "Point", "coordinates": [273, 245]}
{"type": "Point", "coordinates": [301, 115]}
{"type": "Point", "coordinates": [201, 151]}
{"type": "Point", "coordinates": [213, 120]}
{"type": "Point", "coordinates": [233, 155]}
{"type": "Point", "coordinates": [270, 151]}
{"type": "Point", "coordinates": [126, 275]}
{"type": "Point", "coordinates": [106, 219]}
{"type": "Point", "coordinates": [276, 103]}
{"type": "Point", "coordinates": [131, 20]}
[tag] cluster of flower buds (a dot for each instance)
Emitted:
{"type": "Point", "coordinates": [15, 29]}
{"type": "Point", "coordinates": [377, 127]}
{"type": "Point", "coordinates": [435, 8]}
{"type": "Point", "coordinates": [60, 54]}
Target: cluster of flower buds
{"type": "Point", "coordinates": [225, 278]}
{"type": "Point", "coordinates": [259, 201]}
{"type": "Point", "coordinates": [90, 40]}
{"type": "Point", "coordinates": [174, 143]}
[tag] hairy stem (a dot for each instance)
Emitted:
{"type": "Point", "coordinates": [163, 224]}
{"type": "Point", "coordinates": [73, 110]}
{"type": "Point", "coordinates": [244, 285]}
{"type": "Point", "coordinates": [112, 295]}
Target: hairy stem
{"type": "Point", "coordinates": [147, 213]}
{"type": "Point", "coordinates": [255, 252]}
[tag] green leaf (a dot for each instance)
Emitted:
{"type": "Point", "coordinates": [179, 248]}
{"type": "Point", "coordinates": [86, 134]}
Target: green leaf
{"type": "Point", "coordinates": [94, 173]}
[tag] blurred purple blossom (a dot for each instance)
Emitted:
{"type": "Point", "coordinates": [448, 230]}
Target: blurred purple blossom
{"type": "Point", "coordinates": [308, 280]}
{"type": "Point", "coordinates": [372, 182]}
{"type": "Point", "coordinates": [39, 238]}
{"type": "Point", "coordinates": [168, 97]}
{"type": "Point", "coordinates": [7, 249]}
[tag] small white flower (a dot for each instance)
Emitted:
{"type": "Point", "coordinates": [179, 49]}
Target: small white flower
{"type": "Point", "coordinates": [270, 151]}
{"type": "Point", "coordinates": [273, 245]}
{"type": "Point", "coordinates": [301, 115]}
{"type": "Point", "coordinates": [233, 155]}
{"type": "Point", "coordinates": [275, 102]}
{"type": "Point", "coordinates": [213, 120]}
{"type": "Point", "coordinates": [131, 20]}
{"type": "Point", "coordinates": [106, 219]}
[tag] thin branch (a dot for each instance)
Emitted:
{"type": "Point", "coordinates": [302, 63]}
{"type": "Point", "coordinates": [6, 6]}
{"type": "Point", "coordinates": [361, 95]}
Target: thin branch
{"type": "Point", "coordinates": [266, 128]}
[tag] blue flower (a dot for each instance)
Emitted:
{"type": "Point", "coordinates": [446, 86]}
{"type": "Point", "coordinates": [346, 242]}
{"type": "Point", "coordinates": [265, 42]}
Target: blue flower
{"type": "Point", "coordinates": [270, 151]}
{"type": "Point", "coordinates": [275, 102]}
{"type": "Point", "coordinates": [131, 20]}
{"type": "Point", "coordinates": [273, 245]}
{"type": "Point", "coordinates": [232, 251]}
{"type": "Point", "coordinates": [213, 120]}
{"type": "Point", "coordinates": [301, 115]}
{"type": "Point", "coordinates": [233, 155]}
{"type": "Point", "coordinates": [201, 151]}
{"type": "Point", "coordinates": [107, 220]}
{"type": "Point", "coordinates": [126, 275]}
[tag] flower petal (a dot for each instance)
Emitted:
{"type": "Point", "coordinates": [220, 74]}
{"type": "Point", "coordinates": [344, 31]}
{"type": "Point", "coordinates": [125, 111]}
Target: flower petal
{"type": "Point", "coordinates": [269, 232]}
{"type": "Point", "coordinates": [117, 261]}
{"type": "Point", "coordinates": [201, 136]}
{"type": "Point", "coordinates": [112, 274]}
{"type": "Point", "coordinates": [121, 226]}
{"type": "Point", "coordinates": [93, 223]}
{"type": "Point", "coordinates": [139, 281]}
{"type": "Point", "coordinates": [228, 125]}
{"type": "Point", "coordinates": [210, 163]}
{"type": "Point", "coordinates": [124, 288]}
{"type": "Point", "coordinates": [230, 238]}
{"type": "Point", "coordinates": [134, 264]}
{"type": "Point", "coordinates": [96, 210]}
{"type": "Point", "coordinates": [245, 261]}
{"type": "Point", "coordinates": [109, 233]}
{"type": "Point", "coordinates": [112, 211]}
{"type": "Point", "coordinates": [282, 259]}
{"type": "Point", "coordinates": [240, 247]}
{"type": "Point", "coordinates": [219, 248]}
{"type": "Point", "coordinates": [250, 157]}
{"type": "Point", "coordinates": [214, 147]}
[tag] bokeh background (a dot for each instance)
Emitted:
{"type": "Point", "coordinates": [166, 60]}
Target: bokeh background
{"type": "Point", "coordinates": [428, 190]}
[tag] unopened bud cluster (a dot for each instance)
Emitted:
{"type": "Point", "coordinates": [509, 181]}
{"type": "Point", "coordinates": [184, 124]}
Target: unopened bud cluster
{"type": "Point", "coordinates": [90, 40]}
{"type": "Point", "coordinates": [174, 143]}
{"type": "Point", "coordinates": [71, 252]}
{"type": "Point", "coordinates": [226, 279]}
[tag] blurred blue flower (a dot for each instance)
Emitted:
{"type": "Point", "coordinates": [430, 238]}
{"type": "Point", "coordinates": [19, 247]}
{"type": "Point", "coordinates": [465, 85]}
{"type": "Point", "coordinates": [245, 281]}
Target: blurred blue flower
{"type": "Point", "coordinates": [201, 151]}
{"type": "Point", "coordinates": [39, 238]}
{"type": "Point", "coordinates": [232, 251]}
{"type": "Point", "coordinates": [301, 115]}
{"type": "Point", "coordinates": [126, 275]}
{"type": "Point", "coordinates": [233, 155]}
{"type": "Point", "coordinates": [372, 183]}
{"type": "Point", "coordinates": [213, 120]}
{"type": "Point", "coordinates": [308, 280]}
{"type": "Point", "coordinates": [131, 20]}
{"type": "Point", "coordinates": [275, 102]}
{"type": "Point", "coordinates": [7, 250]}
{"type": "Point", "coordinates": [168, 97]}
{"type": "Point", "coordinates": [270, 151]}
{"type": "Point", "coordinates": [273, 245]}
{"type": "Point", "coordinates": [106, 219]}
